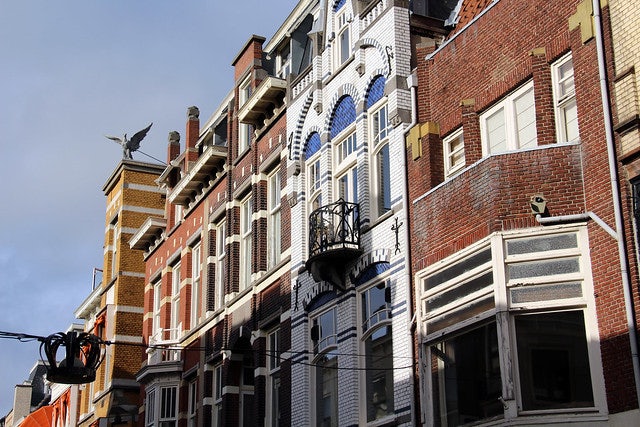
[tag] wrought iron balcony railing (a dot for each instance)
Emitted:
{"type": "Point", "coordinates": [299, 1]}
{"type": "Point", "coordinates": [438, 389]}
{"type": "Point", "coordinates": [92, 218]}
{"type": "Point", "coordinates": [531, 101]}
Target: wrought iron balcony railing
{"type": "Point", "coordinates": [334, 227]}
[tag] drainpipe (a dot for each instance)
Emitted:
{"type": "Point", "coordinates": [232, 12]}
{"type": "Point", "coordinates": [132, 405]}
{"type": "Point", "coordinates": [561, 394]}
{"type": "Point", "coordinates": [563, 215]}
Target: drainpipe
{"type": "Point", "coordinates": [617, 203]}
{"type": "Point", "coordinates": [412, 83]}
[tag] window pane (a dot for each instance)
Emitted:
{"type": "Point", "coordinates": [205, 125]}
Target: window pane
{"type": "Point", "coordinates": [466, 377]}
{"type": "Point", "coordinates": [543, 268]}
{"type": "Point", "coordinates": [327, 391]}
{"type": "Point", "coordinates": [526, 294]}
{"type": "Point", "coordinates": [526, 120]}
{"type": "Point", "coordinates": [553, 361]}
{"type": "Point", "coordinates": [496, 132]}
{"type": "Point", "coordinates": [542, 244]}
{"type": "Point", "coordinates": [379, 374]}
{"type": "Point", "coordinates": [384, 180]}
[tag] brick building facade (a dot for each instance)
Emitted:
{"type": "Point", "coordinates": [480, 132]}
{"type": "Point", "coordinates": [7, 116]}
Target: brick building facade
{"type": "Point", "coordinates": [217, 295]}
{"type": "Point", "coordinates": [522, 288]}
{"type": "Point", "coordinates": [114, 310]}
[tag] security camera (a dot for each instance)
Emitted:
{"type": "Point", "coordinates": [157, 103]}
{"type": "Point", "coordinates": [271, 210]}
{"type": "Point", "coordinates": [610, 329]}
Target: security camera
{"type": "Point", "coordinates": [538, 204]}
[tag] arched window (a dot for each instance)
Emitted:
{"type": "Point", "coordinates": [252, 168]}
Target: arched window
{"type": "Point", "coordinates": [379, 128]}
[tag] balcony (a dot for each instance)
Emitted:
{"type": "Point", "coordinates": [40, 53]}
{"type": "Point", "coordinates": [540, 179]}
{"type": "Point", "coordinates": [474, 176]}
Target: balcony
{"type": "Point", "coordinates": [334, 241]}
{"type": "Point", "coordinates": [265, 104]}
{"type": "Point", "coordinates": [162, 349]}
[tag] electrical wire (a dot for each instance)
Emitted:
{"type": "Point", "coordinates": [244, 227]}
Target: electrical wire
{"type": "Point", "coordinates": [293, 353]}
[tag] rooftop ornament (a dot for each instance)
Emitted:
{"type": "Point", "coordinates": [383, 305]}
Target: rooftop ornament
{"type": "Point", "coordinates": [82, 357]}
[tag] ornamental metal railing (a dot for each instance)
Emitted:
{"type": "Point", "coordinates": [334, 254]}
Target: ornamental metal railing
{"type": "Point", "coordinates": [334, 227]}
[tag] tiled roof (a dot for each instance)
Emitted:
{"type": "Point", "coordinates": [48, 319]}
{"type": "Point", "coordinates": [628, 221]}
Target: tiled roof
{"type": "Point", "coordinates": [469, 9]}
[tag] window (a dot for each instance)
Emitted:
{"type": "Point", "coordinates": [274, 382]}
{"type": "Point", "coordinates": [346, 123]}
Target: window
{"type": "Point", "coordinates": [313, 175]}
{"type": "Point", "coordinates": [511, 124]}
{"type": "Point", "coordinates": [175, 302]}
{"type": "Point", "coordinates": [273, 385]}
{"type": "Point", "coordinates": [381, 175]}
{"type": "Point", "coordinates": [453, 148]}
{"type": "Point", "coordinates": [157, 301]}
{"type": "Point", "coordinates": [115, 236]}
{"type": "Point", "coordinates": [247, 383]}
{"type": "Point", "coordinates": [161, 407]}
{"type": "Point", "coordinates": [345, 150]}
{"type": "Point", "coordinates": [564, 98]}
{"type": "Point", "coordinates": [283, 62]}
{"type": "Point", "coordinates": [217, 396]}
{"type": "Point", "coordinates": [244, 130]}
{"type": "Point", "coordinates": [246, 209]}
{"type": "Point", "coordinates": [221, 256]}
{"type": "Point", "coordinates": [378, 350]}
{"type": "Point", "coordinates": [168, 403]}
{"type": "Point", "coordinates": [195, 284]}
{"type": "Point", "coordinates": [193, 404]}
{"type": "Point", "coordinates": [150, 410]}
{"type": "Point", "coordinates": [543, 351]}
{"type": "Point", "coordinates": [274, 222]}
{"type": "Point", "coordinates": [323, 335]}
{"type": "Point", "coordinates": [342, 49]}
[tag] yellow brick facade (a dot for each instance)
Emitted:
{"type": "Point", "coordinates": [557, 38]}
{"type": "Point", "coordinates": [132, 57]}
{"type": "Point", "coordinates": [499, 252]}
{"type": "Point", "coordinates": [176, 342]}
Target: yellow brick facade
{"type": "Point", "coordinates": [132, 195]}
{"type": "Point", "coordinates": [625, 26]}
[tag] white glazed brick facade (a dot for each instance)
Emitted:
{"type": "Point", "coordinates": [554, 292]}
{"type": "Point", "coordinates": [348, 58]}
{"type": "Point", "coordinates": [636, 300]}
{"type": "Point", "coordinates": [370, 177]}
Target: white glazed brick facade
{"type": "Point", "coordinates": [383, 34]}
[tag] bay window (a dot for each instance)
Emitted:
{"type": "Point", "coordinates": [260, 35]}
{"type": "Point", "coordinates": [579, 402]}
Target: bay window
{"type": "Point", "coordinates": [536, 353]}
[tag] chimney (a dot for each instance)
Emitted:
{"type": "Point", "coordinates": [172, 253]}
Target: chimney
{"type": "Point", "coordinates": [173, 150]}
{"type": "Point", "coordinates": [193, 131]}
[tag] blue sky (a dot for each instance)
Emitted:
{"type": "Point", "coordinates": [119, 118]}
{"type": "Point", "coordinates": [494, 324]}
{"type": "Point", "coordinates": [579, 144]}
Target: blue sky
{"type": "Point", "coordinates": [73, 71]}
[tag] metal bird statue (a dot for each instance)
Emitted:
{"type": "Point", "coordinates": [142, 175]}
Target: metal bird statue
{"type": "Point", "coordinates": [130, 145]}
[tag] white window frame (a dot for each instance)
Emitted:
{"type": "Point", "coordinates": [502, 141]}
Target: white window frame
{"type": "Point", "coordinates": [342, 40]}
{"type": "Point", "coordinates": [564, 100]}
{"type": "Point", "coordinates": [115, 234]}
{"type": "Point", "coordinates": [314, 184]}
{"type": "Point", "coordinates": [274, 223]}
{"type": "Point", "coordinates": [273, 378]}
{"type": "Point", "coordinates": [157, 305]}
{"type": "Point", "coordinates": [346, 165]}
{"type": "Point", "coordinates": [192, 406]}
{"type": "Point", "coordinates": [453, 150]}
{"type": "Point", "coordinates": [150, 408]}
{"type": "Point", "coordinates": [175, 301]}
{"type": "Point", "coordinates": [326, 345]}
{"type": "Point", "coordinates": [196, 281]}
{"type": "Point", "coordinates": [379, 138]}
{"type": "Point", "coordinates": [371, 324]}
{"type": "Point", "coordinates": [510, 127]}
{"type": "Point", "coordinates": [246, 214]}
{"type": "Point", "coordinates": [217, 396]}
{"type": "Point", "coordinates": [503, 291]}
{"type": "Point", "coordinates": [244, 129]}
{"type": "Point", "coordinates": [221, 257]}
{"type": "Point", "coordinates": [168, 414]}
{"type": "Point", "coordinates": [283, 61]}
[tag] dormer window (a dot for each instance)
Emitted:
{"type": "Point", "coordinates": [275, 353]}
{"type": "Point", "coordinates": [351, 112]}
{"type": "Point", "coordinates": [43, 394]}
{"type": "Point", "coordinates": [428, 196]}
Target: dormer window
{"type": "Point", "coordinates": [283, 62]}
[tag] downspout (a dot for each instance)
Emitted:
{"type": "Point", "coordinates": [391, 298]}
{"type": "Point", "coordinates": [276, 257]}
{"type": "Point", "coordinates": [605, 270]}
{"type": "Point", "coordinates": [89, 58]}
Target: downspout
{"type": "Point", "coordinates": [617, 203]}
{"type": "Point", "coordinates": [412, 83]}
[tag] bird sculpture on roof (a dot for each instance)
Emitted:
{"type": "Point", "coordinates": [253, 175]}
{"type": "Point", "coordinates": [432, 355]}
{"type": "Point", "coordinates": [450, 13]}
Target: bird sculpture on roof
{"type": "Point", "coordinates": [130, 145]}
